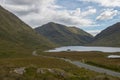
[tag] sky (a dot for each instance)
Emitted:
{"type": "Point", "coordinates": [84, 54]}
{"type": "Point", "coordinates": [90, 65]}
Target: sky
{"type": "Point", "coordinates": [90, 15]}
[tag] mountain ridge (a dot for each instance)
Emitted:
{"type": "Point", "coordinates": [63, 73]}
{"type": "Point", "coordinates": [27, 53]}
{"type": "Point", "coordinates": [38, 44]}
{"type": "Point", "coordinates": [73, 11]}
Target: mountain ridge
{"type": "Point", "coordinates": [63, 35]}
{"type": "Point", "coordinates": [108, 37]}
{"type": "Point", "coordinates": [14, 34]}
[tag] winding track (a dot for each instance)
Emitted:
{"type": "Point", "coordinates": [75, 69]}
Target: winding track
{"type": "Point", "coordinates": [86, 66]}
{"type": "Point", "coordinates": [94, 68]}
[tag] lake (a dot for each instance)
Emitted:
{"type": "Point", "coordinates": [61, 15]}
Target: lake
{"type": "Point", "coordinates": [85, 48]}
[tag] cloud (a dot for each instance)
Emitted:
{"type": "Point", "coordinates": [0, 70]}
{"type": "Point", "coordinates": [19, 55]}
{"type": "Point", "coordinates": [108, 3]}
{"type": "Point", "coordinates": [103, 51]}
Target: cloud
{"type": "Point", "coordinates": [89, 11]}
{"type": "Point", "coordinates": [107, 14]}
{"type": "Point", "coordinates": [94, 32]}
{"type": "Point", "coordinates": [39, 12]}
{"type": "Point", "coordinates": [105, 3]}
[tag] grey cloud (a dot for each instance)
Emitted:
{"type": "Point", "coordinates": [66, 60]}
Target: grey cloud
{"type": "Point", "coordinates": [20, 2]}
{"type": "Point", "coordinates": [39, 12]}
{"type": "Point", "coordinates": [26, 12]}
{"type": "Point", "coordinates": [22, 13]}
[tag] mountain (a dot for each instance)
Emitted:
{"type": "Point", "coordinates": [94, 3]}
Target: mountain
{"type": "Point", "coordinates": [108, 37]}
{"type": "Point", "coordinates": [16, 36]}
{"type": "Point", "coordinates": [63, 35]}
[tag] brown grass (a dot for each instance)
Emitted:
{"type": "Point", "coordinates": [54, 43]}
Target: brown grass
{"type": "Point", "coordinates": [99, 58]}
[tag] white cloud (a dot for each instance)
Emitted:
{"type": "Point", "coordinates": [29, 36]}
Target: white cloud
{"type": "Point", "coordinates": [89, 12]}
{"type": "Point", "coordinates": [94, 32]}
{"type": "Point", "coordinates": [106, 3]}
{"type": "Point", "coordinates": [107, 14]}
{"type": "Point", "coordinates": [80, 13]}
{"type": "Point", "coordinates": [39, 12]}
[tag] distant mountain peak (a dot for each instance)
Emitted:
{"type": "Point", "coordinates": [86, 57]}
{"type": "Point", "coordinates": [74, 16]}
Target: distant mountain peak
{"type": "Point", "coordinates": [63, 35]}
{"type": "Point", "coordinates": [51, 23]}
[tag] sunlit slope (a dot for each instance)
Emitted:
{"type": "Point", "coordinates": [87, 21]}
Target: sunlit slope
{"type": "Point", "coordinates": [15, 34]}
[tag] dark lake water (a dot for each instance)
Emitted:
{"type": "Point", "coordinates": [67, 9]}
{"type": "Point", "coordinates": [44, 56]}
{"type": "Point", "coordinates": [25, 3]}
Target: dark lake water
{"type": "Point", "coordinates": [86, 48]}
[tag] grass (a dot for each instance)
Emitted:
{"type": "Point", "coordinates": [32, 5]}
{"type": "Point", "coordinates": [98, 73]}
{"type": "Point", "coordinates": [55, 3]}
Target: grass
{"type": "Point", "coordinates": [94, 58]}
{"type": "Point", "coordinates": [10, 61]}
{"type": "Point", "coordinates": [8, 64]}
{"type": "Point", "coordinates": [114, 68]}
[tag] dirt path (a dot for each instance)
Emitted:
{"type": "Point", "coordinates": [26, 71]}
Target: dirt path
{"type": "Point", "coordinates": [86, 66]}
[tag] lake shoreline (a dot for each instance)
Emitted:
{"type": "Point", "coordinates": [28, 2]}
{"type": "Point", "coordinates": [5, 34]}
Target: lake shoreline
{"type": "Point", "coordinates": [85, 48]}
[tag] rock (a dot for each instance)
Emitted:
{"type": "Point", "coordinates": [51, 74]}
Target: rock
{"type": "Point", "coordinates": [20, 70]}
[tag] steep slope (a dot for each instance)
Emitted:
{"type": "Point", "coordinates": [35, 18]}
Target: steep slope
{"type": "Point", "coordinates": [64, 36]}
{"type": "Point", "coordinates": [109, 37]}
{"type": "Point", "coordinates": [16, 35]}
{"type": "Point", "coordinates": [81, 33]}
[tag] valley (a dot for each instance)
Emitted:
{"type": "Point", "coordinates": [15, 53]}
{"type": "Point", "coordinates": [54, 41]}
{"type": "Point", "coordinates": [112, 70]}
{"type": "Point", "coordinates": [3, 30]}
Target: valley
{"type": "Point", "coordinates": [23, 56]}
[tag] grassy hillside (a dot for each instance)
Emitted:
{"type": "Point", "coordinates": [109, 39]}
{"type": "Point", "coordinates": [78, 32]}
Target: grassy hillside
{"type": "Point", "coordinates": [63, 35]}
{"type": "Point", "coordinates": [15, 34]}
{"type": "Point", "coordinates": [42, 68]}
{"type": "Point", "coordinates": [81, 34]}
{"type": "Point", "coordinates": [109, 37]}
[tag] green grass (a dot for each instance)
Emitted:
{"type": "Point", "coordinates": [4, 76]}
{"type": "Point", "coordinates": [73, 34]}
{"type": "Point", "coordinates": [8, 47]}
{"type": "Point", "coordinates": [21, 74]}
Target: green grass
{"type": "Point", "coordinates": [114, 68]}
{"type": "Point", "coordinates": [94, 58]}
{"type": "Point", "coordinates": [32, 63]}
{"type": "Point", "coordinates": [9, 64]}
